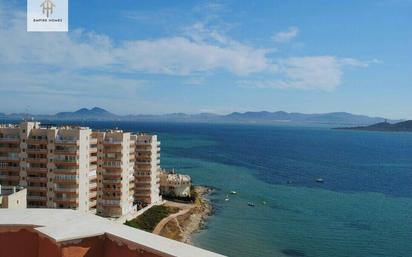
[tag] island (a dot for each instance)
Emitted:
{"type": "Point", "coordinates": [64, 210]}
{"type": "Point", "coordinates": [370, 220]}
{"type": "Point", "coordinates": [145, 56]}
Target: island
{"type": "Point", "coordinates": [404, 126]}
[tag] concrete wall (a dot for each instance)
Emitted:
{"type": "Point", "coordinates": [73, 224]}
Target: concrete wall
{"type": "Point", "coordinates": [25, 242]}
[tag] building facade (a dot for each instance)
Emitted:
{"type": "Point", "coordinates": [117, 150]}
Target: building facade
{"type": "Point", "coordinates": [147, 168]}
{"type": "Point", "coordinates": [173, 184]}
{"type": "Point", "coordinates": [73, 167]}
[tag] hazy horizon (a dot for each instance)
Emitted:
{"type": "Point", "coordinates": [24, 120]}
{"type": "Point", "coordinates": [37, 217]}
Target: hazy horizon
{"type": "Point", "coordinates": [211, 56]}
{"type": "Point", "coordinates": [187, 113]}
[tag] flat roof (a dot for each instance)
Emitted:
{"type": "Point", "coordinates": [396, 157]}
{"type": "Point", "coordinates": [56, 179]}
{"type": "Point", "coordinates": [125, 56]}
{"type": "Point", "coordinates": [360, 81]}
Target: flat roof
{"type": "Point", "coordinates": [66, 225]}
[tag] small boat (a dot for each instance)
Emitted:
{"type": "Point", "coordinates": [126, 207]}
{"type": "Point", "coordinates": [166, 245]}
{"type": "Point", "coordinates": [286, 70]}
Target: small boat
{"type": "Point", "coordinates": [320, 180]}
{"type": "Point", "coordinates": [251, 204]}
{"type": "Point", "coordinates": [264, 202]}
{"type": "Point", "coordinates": [233, 192]}
{"type": "Point", "coordinates": [227, 198]}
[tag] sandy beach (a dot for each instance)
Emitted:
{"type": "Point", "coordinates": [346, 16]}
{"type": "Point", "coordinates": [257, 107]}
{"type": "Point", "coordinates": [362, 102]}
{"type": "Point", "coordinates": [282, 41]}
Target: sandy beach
{"type": "Point", "coordinates": [191, 217]}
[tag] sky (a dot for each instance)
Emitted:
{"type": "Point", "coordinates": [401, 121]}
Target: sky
{"type": "Point", "coordinates": [154, 57]}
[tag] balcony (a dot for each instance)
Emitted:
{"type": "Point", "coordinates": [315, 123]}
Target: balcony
{"type": "Point", "coordinates": [37, 141]}
{"type": "Point", "coordinates": [72, 162]}
{"type": "Point", "coordinates": [60, 170]}
{"type": "Point", "coordinates": [112, 175]}
{"type": "Point", "coordinates": [37, 160]}
{"type": "Point", "coordinates": [36, 198]}
{"type": "Point", "coordinates": [66, 190]}
{"type": "Point", "coordinates": [37, 150]}
{"type": "Point", "coordinates": [66, 141]}
{"type": "Point", "coordinates": [66, 178]}
{"type": "Point", "coordinates": [37, 179]}
{"type": "Point", "coordinates": [10, 158]}
{"type": "Point", "coordinates": [37, 188]}
{"type": "Point", "coordinates": [66, 199]}
{"type": "Point", "coordinates": [10, 178]}
{"type": "Point", "coordinates": [10, 168]}
{"type": "Point", "coordinates": [6, 149]}
{"type": "Point", "coordinates": [9, 139]}
{"type": "Point", "coordinates": [112, 142]}
{"type": "Point", "coordinates": [36, 170]}
{"type": "Point", "coordinates": [66, 151]}
{"type": "Point", "coordinates": [110, 202]}
{"type": "Point", "coordinates": [141, 194]}
{"type": "Point", "coordinates": [112, 181]}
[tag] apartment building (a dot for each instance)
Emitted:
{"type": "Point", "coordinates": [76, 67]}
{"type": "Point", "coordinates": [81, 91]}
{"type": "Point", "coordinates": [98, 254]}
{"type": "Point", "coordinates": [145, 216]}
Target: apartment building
{"type": "Point", "coordinates": [116, 154]}
{"type": "Point", "coordinates": [53, 163]}
{"type": "Point", "coordinates": [147, 168]}
{"type": "Point", "coordinates": [73, 167]}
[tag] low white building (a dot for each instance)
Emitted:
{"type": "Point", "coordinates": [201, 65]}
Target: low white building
{"type": "Point", "coordinates": [12, 197]}
{"type": "Point", "coordinates": [173, 184]}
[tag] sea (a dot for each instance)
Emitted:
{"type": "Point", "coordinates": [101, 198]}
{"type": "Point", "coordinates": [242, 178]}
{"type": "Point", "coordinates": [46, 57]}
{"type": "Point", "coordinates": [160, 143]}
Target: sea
{"type": "Point", "coordinates": [363, 208]}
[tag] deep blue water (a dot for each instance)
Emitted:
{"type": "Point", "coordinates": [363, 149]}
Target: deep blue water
{"type": "Point", "coordinates": [363, 208]}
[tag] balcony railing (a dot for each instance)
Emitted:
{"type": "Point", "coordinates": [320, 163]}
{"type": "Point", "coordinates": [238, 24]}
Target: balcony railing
{"type": "Point", "coordinates": [8, 177]}
{"type": "Point", "coordinates": [37, 140]}
{"type": "Point", "coordinates": [67, 189]}
{"type": "Point", "coordinates": [67, 151]}
{"type": "Point", "coordinates": [9, 168]}
{"type": "Point", "coordinates": [43, 159]}
{"type": "Point", "coordinates": [37, 188]}
{"type": "Point", "coordinates": [66, 199]}
{"type": "Point", "coordinates": [73, 178]}
{"type": "Point", "coordinates": [9, 139]}
{"type": "Point", "coordinates": [37, 179]}
{"type": "Point", "coordinates": [37, 170]}
{"type": "Point", "coordinates": [68, 141]}
{"type": "Point", "coordinates": [9, 158]}
{"type": "Point", "coordinates": [112, 141]}
{"type": "Point", "coordinates": [37, 150]}
{"type": "Point", "coordinates": [36, 198]}
{"type": "Point", "coordinates": [111, 202]}
{"type": "Point", "coordinates": [112, 181]}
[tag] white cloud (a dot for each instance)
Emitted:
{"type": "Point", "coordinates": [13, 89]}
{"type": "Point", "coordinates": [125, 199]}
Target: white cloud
{"type": "Point", "coordinates": [310, 73]}
{"type": "Point", "coordinates": [71, 64]}
{"type": "Point", "coordinates": [286, 36]}
{"type": "Point", "coordinates": [78, 50]}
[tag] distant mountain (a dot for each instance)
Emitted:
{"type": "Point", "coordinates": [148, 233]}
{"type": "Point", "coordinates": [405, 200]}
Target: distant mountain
{"type": "Point", "coordinates": [404, 126]}
{"type": "Point", "coordinates": [95, 113]}
{"type": "Point", "coordinates": [327, 118]}
{"type": "Point", "coordinates": [264, 117]}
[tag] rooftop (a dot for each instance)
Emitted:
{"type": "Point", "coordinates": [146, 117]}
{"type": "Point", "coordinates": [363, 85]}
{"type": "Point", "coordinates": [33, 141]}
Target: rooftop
{"type": "Point", "coordinates": [67, 225]}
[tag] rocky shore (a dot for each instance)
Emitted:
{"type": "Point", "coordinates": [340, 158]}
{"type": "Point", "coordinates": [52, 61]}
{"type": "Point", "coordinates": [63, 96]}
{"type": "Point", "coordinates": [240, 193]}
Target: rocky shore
{"type": "Point", "coordinates": [190, 219]}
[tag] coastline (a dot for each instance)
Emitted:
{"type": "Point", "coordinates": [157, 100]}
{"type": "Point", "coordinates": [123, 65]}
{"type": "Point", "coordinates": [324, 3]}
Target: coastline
{"type": "Point", "coordinates": [190, 219]}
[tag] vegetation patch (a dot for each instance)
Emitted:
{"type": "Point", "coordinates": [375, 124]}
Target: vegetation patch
{"type": "Point", "coordinates": [150, 218]}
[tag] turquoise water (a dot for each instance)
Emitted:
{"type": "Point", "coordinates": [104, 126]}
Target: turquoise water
{"type": "Point", "coordinates": [360, 210]}
{"type": "Point", "coordinates": [363, 208]}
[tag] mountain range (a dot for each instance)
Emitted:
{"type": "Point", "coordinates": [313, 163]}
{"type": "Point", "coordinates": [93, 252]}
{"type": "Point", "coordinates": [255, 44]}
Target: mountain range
{"type": "Point", "coordinates": [263, 117]}
{"type": "Point", "coordinates": [404, 126]}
